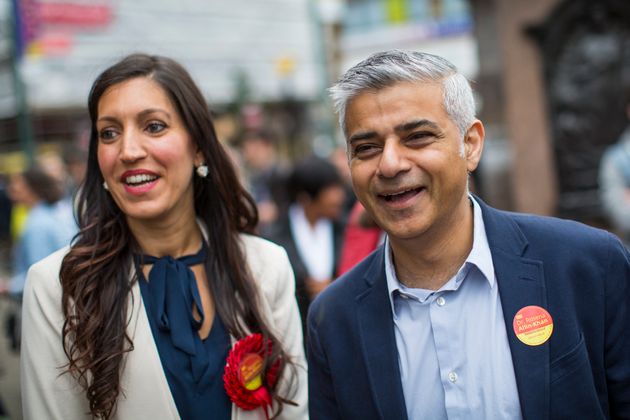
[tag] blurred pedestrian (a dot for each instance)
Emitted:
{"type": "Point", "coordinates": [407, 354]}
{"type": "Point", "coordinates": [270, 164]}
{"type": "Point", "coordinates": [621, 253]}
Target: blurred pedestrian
{"type": "Point", "coordinates": [75, 160]}
{"type": "Point", "coordinates": [54, 165]}
{"type": "Point", "coordinates": [339, 158]}
{"type": "Point", "coordinates": [360, 238]}
{"type": "Point", "coordinates": [5, 210]}
{"type": "Point", "coordinates": [136, 320]}
{"type": "Point", "coordinates": [614, 184]}
{"type": "Point", "coordinates": [465, 311]}
{"type": "Point", "coordinates": [5, 222]}
{"type": "Point", "coordinates": [3, 412]}
{"type": "Point", "coordinates": [48, 226]}
{"type": "Point", "coordinates": [310, 230]}
{"type": "Point", "coordinates": [265, 176]}
{"type": "Point", "coordinates": [5, 225]}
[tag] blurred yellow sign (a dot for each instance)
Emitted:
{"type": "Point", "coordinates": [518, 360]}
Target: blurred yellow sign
{"type": "Point", "coordinates": [12, 162]}
{"type": "Point", "coordinates": [397, 10]}
{"type": "Point", "coordinates": [285, 65]}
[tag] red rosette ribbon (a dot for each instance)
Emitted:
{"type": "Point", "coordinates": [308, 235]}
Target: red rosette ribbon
{"type": "Point", "coordinates": [245, 382]}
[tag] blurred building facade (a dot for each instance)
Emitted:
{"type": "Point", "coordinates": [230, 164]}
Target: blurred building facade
{"type": "Point", "coordinates": [443, 27]}
{"type": "Point", "coordinates": [240, 52]}
{"type": "Point", "coordinates": [551, 75]}
{"type": "Point", "coordinates": [552, 78]}
{"type": "Point", "coordinates": [555, 77]}
{"type": "Point", "coordinates": [446, 28]}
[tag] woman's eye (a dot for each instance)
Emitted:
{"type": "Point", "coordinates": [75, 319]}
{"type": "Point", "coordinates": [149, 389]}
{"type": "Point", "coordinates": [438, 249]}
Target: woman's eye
{"type": "Point", "coordinates": [155, 127]}
{"type": "Point", "coordinates": [107, 134]}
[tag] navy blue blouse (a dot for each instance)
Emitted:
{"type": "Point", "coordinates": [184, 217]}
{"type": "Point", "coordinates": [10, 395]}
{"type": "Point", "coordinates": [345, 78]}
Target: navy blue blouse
{"type": "Point", "coordinates": [193, 367]}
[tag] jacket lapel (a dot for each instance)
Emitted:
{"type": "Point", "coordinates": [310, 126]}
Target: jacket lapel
{"type": "Point", "coordinates": [376, 329]}
{"type": "Point", "coordinates": [521, 283]}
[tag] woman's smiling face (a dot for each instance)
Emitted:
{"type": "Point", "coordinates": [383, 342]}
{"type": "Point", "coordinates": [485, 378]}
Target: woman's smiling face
{"type": "Point", "coordinates": [145, 152]}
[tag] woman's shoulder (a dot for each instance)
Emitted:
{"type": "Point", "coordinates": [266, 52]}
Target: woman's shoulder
{"type": "Point", "coordinates": [267, 261]}
{"type": "Point", "coordinates": [52, 261]}
{"type": "Point", "coordinates": [257, 248]}
{"type": "Point", "coordinates": [44, 274]}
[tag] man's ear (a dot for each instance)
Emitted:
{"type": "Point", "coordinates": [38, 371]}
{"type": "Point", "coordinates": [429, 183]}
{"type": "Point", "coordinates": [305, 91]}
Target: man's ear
{"type": "Point", "coordinates": [473, 145]}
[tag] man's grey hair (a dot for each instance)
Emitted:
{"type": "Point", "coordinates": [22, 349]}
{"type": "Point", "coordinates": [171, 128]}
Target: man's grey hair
{"type": "Point", "coordinates": [384, 69]}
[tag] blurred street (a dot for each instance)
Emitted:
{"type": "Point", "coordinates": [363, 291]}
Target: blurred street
{"type": "Point", "coordinates": [551, 82]}
{"type": "Point", "coordinates": [9, 368]}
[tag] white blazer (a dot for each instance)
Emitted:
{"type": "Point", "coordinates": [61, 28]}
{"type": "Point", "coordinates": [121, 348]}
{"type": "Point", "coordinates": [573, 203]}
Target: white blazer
{"type": "Point", "coordinates": [46, 394]}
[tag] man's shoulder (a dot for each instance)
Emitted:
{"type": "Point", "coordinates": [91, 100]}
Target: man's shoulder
{"type": "Point", "coordinates": [547, 227]}
{"type": "Point", "coordinates": [554, 228]}
{"type": "Point", "coordinates": [545, 235]}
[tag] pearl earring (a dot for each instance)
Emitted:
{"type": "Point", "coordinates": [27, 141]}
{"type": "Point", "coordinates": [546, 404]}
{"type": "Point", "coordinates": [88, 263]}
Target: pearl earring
{"type": "Point", "coordinates": [105, 186]}
{"type": "Point", "coordinates": [202, 171]}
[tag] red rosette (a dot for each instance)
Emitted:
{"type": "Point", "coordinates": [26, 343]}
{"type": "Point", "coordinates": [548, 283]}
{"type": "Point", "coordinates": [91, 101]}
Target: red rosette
{"type": "Point", "coordinates": [245, 382]}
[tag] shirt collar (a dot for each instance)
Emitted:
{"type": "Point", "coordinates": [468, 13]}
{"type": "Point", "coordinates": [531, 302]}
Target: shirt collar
{"type": "Point", "coordinates": [480, 255]}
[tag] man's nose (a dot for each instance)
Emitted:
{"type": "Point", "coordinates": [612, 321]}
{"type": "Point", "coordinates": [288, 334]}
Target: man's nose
{"type": "Point", "coordinates": [393, 159]}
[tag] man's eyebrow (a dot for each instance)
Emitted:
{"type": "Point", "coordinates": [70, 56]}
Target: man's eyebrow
{"type": "Point", "coordinates": [365, 135]}
{"type": "Point", "coordinates": [411, 125]}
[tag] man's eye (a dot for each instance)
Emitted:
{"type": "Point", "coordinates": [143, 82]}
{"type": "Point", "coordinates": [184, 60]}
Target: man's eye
{"type": "Point", "coordinates": [420, 135]}
{"type": "Point", "coordinates": [155, 127]}
{"type": "Point", "coordinates": [364, 150]}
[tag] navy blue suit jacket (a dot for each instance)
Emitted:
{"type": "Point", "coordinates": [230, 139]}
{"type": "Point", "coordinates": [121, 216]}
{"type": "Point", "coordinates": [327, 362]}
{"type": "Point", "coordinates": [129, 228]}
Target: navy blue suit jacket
{"type": "Point", "coordinates": [581, 275]}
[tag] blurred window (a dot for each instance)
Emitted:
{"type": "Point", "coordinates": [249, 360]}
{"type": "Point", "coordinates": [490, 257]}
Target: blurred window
{"type": "Point", "coordinates": [362, 15]}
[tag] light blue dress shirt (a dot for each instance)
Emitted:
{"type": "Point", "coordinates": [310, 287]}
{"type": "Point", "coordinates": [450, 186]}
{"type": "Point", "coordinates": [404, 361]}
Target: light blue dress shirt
{"type": "Point", "coordinates": [453, 352]}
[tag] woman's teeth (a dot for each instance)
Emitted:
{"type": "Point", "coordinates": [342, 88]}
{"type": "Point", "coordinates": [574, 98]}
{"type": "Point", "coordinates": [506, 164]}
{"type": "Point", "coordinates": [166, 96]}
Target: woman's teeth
{"type": "Point", "coordinates": [139, 179]}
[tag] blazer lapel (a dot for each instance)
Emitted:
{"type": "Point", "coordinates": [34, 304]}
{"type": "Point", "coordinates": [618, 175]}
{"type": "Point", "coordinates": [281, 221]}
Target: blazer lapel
{"type": "Point", "coordinates": [521, 283]}
{"type": "Point", "coordinates": [376, 328]}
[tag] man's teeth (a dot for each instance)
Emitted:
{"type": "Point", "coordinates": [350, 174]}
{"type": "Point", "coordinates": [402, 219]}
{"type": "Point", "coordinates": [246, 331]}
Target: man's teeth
{"type": "Point", "coordinates": [138, 179]}
{"type": "Point", "coordinates": [400, 193]}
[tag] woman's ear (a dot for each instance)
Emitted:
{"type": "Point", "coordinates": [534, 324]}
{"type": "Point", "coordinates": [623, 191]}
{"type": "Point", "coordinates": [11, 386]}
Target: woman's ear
{"type": "Point", "coordinates": [199, 159]}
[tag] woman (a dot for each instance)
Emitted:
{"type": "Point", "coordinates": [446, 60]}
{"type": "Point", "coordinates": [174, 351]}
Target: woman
{"type": "Point", "coordinates": [137, 318]}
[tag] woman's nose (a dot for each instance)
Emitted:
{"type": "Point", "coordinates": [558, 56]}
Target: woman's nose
{"type": "Point", "coordinates": [132, 148]}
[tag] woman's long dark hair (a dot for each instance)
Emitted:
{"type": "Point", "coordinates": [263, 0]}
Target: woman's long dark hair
{"type": "Point", "coordinates": [95, 273]}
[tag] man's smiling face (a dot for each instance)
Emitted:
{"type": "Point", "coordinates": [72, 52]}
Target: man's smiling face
{"type": "Point", "coordinates": [408, 162]}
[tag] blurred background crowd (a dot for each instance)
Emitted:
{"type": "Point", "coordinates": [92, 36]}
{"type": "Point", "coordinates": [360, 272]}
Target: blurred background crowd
{"type": "Point", "coordinates": [552, 79]}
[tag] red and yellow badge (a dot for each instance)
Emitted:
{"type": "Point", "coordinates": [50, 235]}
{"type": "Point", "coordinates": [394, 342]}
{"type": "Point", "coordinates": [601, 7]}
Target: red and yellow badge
{"type": "Point", "coordinates": [533, 325]}
{"type": "Point", "coordinates": [244, 378]}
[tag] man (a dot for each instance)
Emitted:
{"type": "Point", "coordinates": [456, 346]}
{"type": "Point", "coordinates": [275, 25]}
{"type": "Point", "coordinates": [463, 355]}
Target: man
{"type": "Point", "coordinates": [465, 312]}
{"type": "Point", "coordinates": [310, 230]}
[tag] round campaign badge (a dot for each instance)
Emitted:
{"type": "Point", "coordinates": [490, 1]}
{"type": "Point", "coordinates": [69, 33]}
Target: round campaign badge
{"type": "Point", "coordinates": [250, 371]}
{"type": "Point", "coordinates": [533, 325]}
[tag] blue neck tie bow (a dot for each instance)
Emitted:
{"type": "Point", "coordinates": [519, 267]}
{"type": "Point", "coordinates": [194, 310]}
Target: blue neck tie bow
{"type": "Point", "coordinates": [173, 293]}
